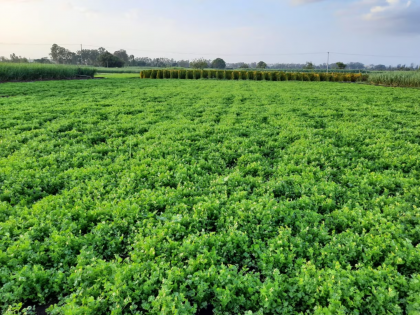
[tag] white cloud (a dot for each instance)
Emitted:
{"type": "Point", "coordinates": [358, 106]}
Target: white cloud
{"type": "Point", "coordinates": [298, 2]}
{"type": "Point", "coordinates": [398, 17]}
{"type": "Point", "coordinates": [390, 7]}
{"type": "Point", "coordinates": [68, 6]}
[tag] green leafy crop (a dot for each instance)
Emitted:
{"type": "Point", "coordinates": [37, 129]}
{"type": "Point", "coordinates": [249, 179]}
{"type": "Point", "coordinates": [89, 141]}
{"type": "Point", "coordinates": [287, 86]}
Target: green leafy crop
{"type": "Point", "coordinates": [129, 196]}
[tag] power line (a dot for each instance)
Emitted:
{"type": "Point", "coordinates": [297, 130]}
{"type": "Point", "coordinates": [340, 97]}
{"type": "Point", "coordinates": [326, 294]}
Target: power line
{"type": "Point", "coordinates": [379, 56]}
{"type": "Point", "coordinates": [212, 54]}
{"type": "Point", "coordinates": [19, 44]}
{"type": "Point", "coordinates": [173, 52]}
{"type": "Point", "coordinates": [208, 54]}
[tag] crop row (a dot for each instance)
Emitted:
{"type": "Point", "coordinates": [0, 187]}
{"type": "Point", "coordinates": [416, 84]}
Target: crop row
{"type": "Point", "coordinates": [25, 72]}
{"type": "Point", "coordinates": [251, 75]}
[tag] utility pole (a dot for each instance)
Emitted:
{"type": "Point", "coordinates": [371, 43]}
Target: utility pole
{"type": "Point", "coordinates": [328, 61]}
{"type": "Point", "coordinates": [81, 53]}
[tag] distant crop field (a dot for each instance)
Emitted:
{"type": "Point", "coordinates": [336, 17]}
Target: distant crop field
{"type": "Point", "coordinates": [129, 196]}
{"type": "Point", "coordinates": [397, 78]}
{"type": "Point", "coordinates": [33, 71]}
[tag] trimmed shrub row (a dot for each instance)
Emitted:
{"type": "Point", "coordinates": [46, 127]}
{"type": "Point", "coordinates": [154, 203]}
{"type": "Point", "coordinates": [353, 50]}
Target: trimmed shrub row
{"type": "Point", "coordinates": [251, 75]}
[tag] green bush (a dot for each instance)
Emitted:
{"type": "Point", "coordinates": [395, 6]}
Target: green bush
{"type": "Point", "coordinates": [190, 74]}
{"type": "Point", "coordinates": [266, 75]}
{"type": "Point", "coordinates": [283, 76]}
{"type": "Point", "coordinates": [228, 74]}
{"type": "Point", "coordinates": [196, 74]}
{"type": "Point", "coordinates": [175, 74]}
{"type": "Point", "coordinates": [311, 76]}
{"type": "Point", "coordinates": [212, 74]}
{"type": "Point", "coordinates": [166, 74]}
{"type": "Point", "coordinates": [146, 74]}
{"type": "Point", "coordinates": [243, 75]}
{"type": "Point", "coordinates": [235, 75]}
{"type": "Point", "coordinates": [153, 74]}
{"type": "Point", "coordinates": [220, 74]}
{"type": "Point", "coordinates": [324, 77]}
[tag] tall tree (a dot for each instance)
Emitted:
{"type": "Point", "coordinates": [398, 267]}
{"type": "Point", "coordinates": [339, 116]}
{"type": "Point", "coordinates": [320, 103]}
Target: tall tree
{"type": "Point", "coordinates": [62, 55]}
{"type": "Point", "coordinates": [341, 65]}
{"type": "Point", "coordinates": [309, 66]}
{"type": "Point", "coordinates": [261, 65]}
{"type": "Point", "coordinates": [109, 60]}
{"type": "Point", "coordinates": [89, 56]}
{"type": "Point", "coordinates": [183, 63]}
{"type": "Point", "coordinates": [18, 59]}
{"type": "Point", "coordinates": [218, 63]}
{"type": "Point", "coordinates": [200, 63]}
{"type": "Point", "coordinates": [122, 54]}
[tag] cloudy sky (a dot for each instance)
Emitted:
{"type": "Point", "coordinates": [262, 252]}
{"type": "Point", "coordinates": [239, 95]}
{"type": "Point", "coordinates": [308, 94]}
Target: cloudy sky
{"type": "Point", "coordinates": [237, 30]}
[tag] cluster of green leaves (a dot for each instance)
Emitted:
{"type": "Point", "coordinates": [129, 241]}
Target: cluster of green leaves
{"type": "Point", "coordinates": [37, 71]}
{"type": "Point", "coordinates": [251, 75]}
{"type": "Point", "coordinates": [397, 78]}
{"type": "Point", "coordinates": [125, 196]}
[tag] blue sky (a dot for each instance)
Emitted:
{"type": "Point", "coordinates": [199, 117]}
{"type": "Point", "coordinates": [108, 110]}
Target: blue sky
{"type": "Point", "coordinates": [246, 30]}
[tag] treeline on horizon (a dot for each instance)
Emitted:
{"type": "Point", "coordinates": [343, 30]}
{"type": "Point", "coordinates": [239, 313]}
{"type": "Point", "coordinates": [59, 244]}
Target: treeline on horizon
{"type": "Point", "coordinates": [102, 58]}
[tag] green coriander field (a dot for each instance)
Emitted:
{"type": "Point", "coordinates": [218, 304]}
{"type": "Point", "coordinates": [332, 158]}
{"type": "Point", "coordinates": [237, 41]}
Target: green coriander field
{"type": "Point", "coordinates": [129, 196]}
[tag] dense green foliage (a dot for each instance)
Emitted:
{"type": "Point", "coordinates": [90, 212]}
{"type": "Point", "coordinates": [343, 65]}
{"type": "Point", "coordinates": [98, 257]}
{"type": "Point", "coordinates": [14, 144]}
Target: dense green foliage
{"type": "Point", "coordinates": [200, 63]}
{"type": "Point", "coordinates": [261, 65]}
{"type": "Point", "coordinates": [128, 196]}
{"type": "Point", "coordinates": [34, 71]}
{"type": "Point", "coordinates": [109, 60]}
{"type": "Point", "coordinates": [248, 75]}
{"type": "Point", "coordinates": [218, 63]}
{"type": "Point", "coordinates": [403, 78]}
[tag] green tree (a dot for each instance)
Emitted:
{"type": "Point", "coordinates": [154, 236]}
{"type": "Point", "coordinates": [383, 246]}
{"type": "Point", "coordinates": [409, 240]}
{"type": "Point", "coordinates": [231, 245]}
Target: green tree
{"type": "Point", "coordinates": [131, 60]}
{"type": "Point", "coordinates": [42, 60]}
{"type": "Point", "coordinates": [341, 65]}
{"type": "Point", "coordinates": [218, 63]}
{"type": "Point", "coordinates": [261, 65]}
{"type": "Point", "coordinates": [200, 63]}
{"type": "Point", "coordinates": [62, 55]}
{"type": "Point", "coordinates": [244, 66]}
{"type": "Point", "coordinates": [18, 59]}
{"type": "Point", "coordinates": [109, 60]}
{"type": "Point", "coordinates": [309, 66]}
{"type": "Point", "coordinates": [122, 54]}
{"type": "Point", "coordinates": [88, 56]}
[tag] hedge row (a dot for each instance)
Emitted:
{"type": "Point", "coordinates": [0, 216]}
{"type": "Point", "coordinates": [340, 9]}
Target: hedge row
{"type": "Point", "coordinates": [251, 75]}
